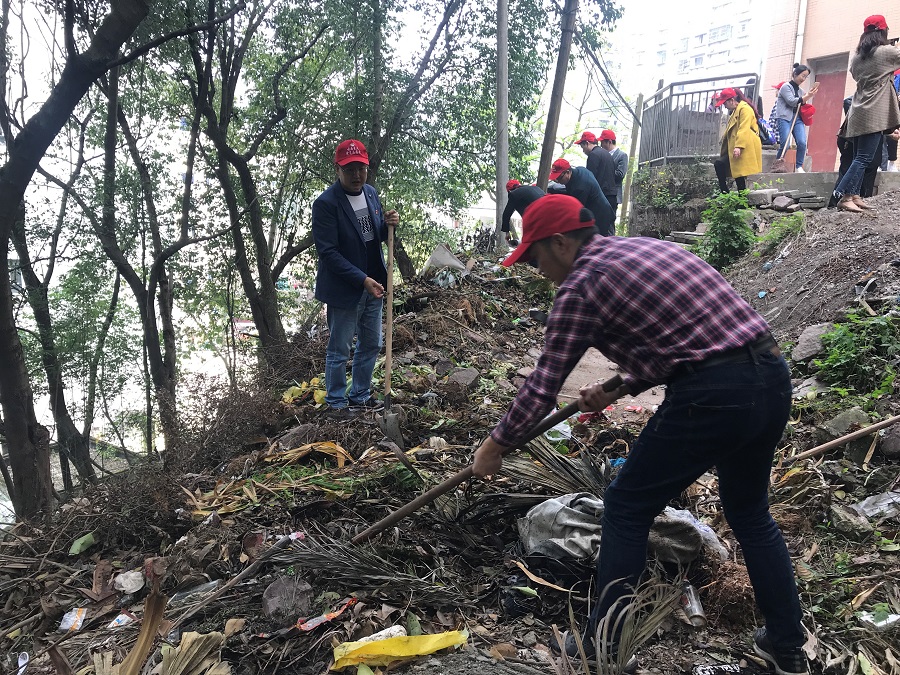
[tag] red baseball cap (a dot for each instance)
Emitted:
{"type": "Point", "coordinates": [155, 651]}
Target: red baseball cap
{"type": "Point", "coordinates": [349, 151]}
{"type": "Point", "coordinates": [586, 136]}
{"type": "Point", "coordinates": [512, 184]}
{"type": "Point", "coordinates": [559, 166]}
{"type": "Point", "coordinates": [608, 135]}
{"type": "Point", "coordinates": [553, 214]}
{"type": "Point", "coordinates": [724, 95]}
{"type": "Point", "coordinates": [875, 22]}
{"type": "Point", "coordinates": [778, 86]}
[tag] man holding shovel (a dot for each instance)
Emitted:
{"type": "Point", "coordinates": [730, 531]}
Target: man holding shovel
{"type": "Point", "coordinates": [667, 318]}
{"type": "Point", "coordinates": [349, 224]}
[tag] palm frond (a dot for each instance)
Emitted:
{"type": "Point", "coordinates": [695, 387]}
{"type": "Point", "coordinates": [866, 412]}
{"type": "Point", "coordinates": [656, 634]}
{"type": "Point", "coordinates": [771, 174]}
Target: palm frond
{"type": "Point", "coordinates": [360, 568]}
{"type": "Point", "coordinates": [556, 472]}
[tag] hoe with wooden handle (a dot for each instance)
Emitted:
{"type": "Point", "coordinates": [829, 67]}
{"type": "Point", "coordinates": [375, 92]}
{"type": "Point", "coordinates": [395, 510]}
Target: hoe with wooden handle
{"type": "Point", "coordinates": [464, 475]}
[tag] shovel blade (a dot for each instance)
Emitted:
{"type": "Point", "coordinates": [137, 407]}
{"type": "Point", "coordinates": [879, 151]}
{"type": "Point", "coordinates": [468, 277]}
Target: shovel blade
{"type": "Point", "coordinates": [389, 423]}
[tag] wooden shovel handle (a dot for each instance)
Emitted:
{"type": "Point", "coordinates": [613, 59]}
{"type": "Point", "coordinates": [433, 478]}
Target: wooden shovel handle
{"type": "Point", "coordinates": [442, 488]}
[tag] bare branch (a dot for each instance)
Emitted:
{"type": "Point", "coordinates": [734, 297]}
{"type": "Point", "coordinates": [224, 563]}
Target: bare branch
{"type": "Point", "coordinates": [197, 28]}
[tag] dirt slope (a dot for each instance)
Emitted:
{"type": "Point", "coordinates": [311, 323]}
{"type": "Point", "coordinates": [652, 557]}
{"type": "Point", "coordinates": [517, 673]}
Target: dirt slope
{"type": "Point", "coordinates": [812, 277]}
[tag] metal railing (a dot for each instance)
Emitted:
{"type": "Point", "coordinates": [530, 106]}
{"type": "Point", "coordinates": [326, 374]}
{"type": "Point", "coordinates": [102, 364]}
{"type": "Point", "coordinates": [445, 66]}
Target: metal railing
{"type": "Point", "coordinates": [680, 122]}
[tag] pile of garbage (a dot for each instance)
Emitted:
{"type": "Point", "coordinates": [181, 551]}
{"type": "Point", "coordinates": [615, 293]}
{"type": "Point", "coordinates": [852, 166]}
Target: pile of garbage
{"type": "Point", "coordinates": [248, 564]}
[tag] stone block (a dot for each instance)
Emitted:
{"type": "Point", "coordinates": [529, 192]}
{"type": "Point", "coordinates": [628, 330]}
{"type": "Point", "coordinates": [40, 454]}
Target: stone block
{"type": "Point", "coordinates": [890, 442]}
{"type": "Point", "coordinates": [849, 523]}
{"type": "Point", "coordinates": [464, 378]}
{"type": "Point", "coordinates": [761, 197]}
{"type": "Point", "coordinates": [781, 203]}
{"type": "Point", "coordinates": [793, 208]}
{"type": "Point", "coordinates": [810, 342]}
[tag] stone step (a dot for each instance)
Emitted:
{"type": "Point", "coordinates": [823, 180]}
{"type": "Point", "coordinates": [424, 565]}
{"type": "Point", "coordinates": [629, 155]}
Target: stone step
{"type": "Point", "coordinates": [685, 237]}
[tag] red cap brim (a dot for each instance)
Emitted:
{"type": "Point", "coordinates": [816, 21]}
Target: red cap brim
{"type": "Point", "coordinates": [516, 255]}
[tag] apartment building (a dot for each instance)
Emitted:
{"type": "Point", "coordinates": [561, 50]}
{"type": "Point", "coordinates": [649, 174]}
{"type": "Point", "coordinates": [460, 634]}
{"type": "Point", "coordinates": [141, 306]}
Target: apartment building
{"type": "Point", "coordinates": [822, 34]}
{"type": "Point", "coordinates": [673, 42]}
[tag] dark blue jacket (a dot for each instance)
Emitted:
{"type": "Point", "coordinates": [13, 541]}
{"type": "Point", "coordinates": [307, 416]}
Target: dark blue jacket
{"type": "Point", "coordinates": [339, 243]}
{"type": "Point", "coordinates": [585, 188]}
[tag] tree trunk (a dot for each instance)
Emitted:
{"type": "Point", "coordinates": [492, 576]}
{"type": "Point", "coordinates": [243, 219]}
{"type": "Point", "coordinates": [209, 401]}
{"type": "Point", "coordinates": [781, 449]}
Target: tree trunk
{"type": "Point", "coordinates": [570, 14]}
{"type": "Point", "coordinates": [73, 446]}
{"type": "Point", "coordinates": [29, 441]}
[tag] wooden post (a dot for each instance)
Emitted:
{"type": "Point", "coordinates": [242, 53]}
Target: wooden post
{"type": "Point", "coordinates": [502, 118]}
{"type": "Point", "coordinates": [632, 161]}
{"type": "Point", "coordinates": [570, 14]}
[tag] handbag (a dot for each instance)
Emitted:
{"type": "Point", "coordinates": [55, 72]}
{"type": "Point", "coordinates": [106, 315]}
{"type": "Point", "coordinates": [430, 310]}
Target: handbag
{"type": "Point", "coordinates": [807, 110]}
{"type": "Point", "coordinates": [778, 166]}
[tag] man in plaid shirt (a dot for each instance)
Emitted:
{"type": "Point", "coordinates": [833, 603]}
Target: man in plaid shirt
{"type": "Point", "coordinates": [667, 318]}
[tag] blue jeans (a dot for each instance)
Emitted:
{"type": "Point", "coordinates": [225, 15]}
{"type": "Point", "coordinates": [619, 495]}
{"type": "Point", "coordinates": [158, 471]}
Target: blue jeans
{"type": "Point", "coordinates": [364, 322]}
{"type": "Point", "coordinates": [784, 126]}
{"type": "Point", "coordinates": [864, 148]}
{"type": "Point", "coordinates": [730, 416]}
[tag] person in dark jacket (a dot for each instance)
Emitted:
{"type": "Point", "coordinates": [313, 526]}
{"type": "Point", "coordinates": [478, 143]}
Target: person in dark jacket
{"type": "Point", "coordinates": [581, 184]}
{"type": "Point", "coordinates": [519, 198]}
{"type": "Point", "coordinates": [348, 225]}
{"type": "Point", "coordinates": [620, 159]}
{"type": "Point", "coordinates": [603, 166]}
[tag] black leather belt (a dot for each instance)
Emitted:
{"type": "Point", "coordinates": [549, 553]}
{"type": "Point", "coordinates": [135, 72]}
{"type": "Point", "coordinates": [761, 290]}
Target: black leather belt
{"type": "Point", "coordinates": [737, 355]}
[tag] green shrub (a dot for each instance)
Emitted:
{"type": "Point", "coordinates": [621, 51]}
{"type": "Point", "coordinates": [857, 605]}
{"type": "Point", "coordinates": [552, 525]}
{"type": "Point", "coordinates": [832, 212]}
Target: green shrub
{"type": "Point", "coordinates": [862, 354]}
{"type": "Point", "coordinates": [728, 237]}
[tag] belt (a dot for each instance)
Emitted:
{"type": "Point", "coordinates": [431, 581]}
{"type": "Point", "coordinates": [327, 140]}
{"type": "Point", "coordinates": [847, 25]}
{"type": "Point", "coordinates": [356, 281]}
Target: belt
{"type": "Point", "coordinates": [743, 354]}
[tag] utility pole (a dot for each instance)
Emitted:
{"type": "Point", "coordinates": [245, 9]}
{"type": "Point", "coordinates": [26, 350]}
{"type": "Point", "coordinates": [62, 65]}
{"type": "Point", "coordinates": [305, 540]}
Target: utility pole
{"type": "Point", "coordinates": [570, 13]}
{"type": "Point", "coordinates": [502, 117]}
{"type": "Point", "coordinates": [632, 157]}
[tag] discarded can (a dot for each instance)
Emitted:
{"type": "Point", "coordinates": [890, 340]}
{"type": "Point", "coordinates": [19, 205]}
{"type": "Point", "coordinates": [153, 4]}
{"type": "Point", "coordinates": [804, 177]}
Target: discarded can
{"type": "Point", "coordinates": [718, 669]}
{"type": "Point", "coordinates": [690, 603]}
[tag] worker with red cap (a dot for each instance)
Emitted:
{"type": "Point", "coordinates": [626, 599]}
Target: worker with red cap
{"type": "Point", "coordinates": [348, 225]}
{"type": "Point", "coordinates": [580, 183]}
{"type": "Point", "coordinates": [667, 317]}
{"type": "Point", "coordinates": [620, 160]}
{"type": "Point", "coordinates": [519, 197]}
{"type": "Point", "coordinates": [601, 164]}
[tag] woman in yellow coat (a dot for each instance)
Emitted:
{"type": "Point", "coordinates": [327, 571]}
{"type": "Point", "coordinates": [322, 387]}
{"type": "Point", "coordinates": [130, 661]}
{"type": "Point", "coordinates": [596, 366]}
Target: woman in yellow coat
{"type": "Point", "coordinates": [741, 147]}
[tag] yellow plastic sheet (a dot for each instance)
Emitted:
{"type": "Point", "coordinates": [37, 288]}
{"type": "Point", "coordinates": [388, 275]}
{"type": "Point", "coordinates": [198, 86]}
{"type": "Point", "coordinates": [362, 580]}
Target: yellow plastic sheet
{"type": "Point", "coordinates": [385, 652]}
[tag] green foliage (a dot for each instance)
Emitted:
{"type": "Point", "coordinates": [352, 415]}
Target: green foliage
{"type": "Point", "coordinates": [661, 187]}
{"type": "Point", "coordinates": [862, 354]}
{"type": "Point", "coordinates": [779, 230]}
{"type": "Point", "coordinates": [728, 237]}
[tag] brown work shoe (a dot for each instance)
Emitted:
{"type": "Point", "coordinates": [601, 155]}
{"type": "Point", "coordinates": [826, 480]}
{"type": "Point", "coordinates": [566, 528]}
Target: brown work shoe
{"type": "Point", "coordinates": [847, 204]}
{"type": "Point", "coordinates": [861, 203]}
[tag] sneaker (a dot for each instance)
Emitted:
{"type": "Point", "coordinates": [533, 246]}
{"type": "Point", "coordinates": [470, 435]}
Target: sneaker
{"type": "Point", "coordinates": [790, 662]}
{"type": "Point", "coordinates": [799, 169]}
{"type": "Point", "coordinates": [369, 404]}
{"type": "Point", "coordinates": [341, 414]}
{"type": "Point", "coordinates": [630, 667]}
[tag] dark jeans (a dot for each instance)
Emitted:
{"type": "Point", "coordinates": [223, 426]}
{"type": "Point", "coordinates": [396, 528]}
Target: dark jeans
{"type": "Point", "coordinates": [891, 149]}
{"type": "Point", "coordinates": [866, 149]}
{"type": "Point", "coordinates": [723, 169]}
{"type": "Point", "coordinates": [730, 416]}
{"type": "Point", "coordinates": [846, 148]}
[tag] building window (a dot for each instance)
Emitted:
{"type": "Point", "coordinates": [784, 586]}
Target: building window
{"type": "Point", "coordinates": [720, 33]}
{"type": "Point", "coordinates": [660, 58]}
{"type": "Point", "coordinates": [700, 40]}
{"type": "Point", "coordinates": [744, 27]}
{"type": "Point", "coordinates": [698, 60]}
{"type": "Point", "coordinates": [682, 46]}
{"type": "Point", "coordinates": [683, 66]}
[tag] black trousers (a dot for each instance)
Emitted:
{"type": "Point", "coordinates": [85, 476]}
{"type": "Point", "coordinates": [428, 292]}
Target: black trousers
{"type": "Point", "coordinates": [723, 168]}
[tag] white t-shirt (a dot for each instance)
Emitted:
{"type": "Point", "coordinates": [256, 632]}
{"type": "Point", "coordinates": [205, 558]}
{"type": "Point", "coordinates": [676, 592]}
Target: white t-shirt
{"type": "Point", "coordinates": [361, 209]}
